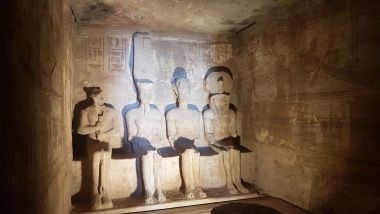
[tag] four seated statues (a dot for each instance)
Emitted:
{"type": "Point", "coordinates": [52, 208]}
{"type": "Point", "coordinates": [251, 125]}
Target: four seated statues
{"type": "Point", "coordinates": [148, 130]}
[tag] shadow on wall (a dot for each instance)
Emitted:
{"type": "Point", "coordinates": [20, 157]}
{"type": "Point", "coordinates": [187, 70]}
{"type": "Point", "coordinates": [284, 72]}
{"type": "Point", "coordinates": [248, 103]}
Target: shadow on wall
{"type": "Point", "coordinates": [79, 149]}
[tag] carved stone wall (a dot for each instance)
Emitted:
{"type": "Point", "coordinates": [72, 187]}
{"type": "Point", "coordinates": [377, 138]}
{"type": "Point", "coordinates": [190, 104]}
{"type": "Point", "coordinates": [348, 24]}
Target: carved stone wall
{"type": "Point", "coordinates": [36, 74]}
{"type": "Point", "coordinates": [309, 90]}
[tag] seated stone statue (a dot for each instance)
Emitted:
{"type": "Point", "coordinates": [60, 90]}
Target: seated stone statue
{"type": "Point", "coordinates": [146, 128]}
{"type": "Point", "coordinates": [183, 126]}
{"type": "Point", "coordinates": [99, 123]}
{"type": "Point", "coordinates": [220, 129]}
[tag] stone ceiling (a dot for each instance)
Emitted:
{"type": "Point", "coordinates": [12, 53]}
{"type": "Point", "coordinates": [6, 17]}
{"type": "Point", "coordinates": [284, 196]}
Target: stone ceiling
{"type": "Point", "coordinates": [204, 16]}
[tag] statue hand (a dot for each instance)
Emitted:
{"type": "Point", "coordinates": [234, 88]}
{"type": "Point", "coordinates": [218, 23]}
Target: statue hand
{"type": "Point", "coordinates": [172, 139]}
{"type": "Point", "coordinates": [100, 126]}
{"type": "Point", "coordinates": [210, 138]}
{"type": "Point", "coordinates": [103, 137]}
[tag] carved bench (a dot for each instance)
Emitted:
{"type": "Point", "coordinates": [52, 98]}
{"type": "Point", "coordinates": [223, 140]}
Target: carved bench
{"type": "Point", "coordinates": [125, 175]}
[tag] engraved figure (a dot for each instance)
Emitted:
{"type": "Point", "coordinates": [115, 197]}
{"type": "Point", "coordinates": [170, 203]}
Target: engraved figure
{"type": "Point", "coordinates": [220, 129]}
{"type": "Point", "coordinates": [146, 128]}
{"type": "Point", "coordinates": [183, 128]}
{"type": "Point", "coordinates": [99, 122]}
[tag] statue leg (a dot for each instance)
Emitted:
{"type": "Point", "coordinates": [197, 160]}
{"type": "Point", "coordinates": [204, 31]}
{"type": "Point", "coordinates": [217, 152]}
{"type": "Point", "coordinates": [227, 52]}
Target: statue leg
{"type": "Point", "coordinates": [235, 164]}
{"type": "Point", "coordinates": [107, 203]}
{"type": "Point", "coordinates": [227, 169]}
{"type": "Point", "coordinates": [148, 176]}
{"type": "Point", "coordinates": [196, 172]}
{"type": "Point", "coordinates": [187, 173]}
{"type": "Point", "coordinates": [157, 168]}
{"type": "Point", "coordinates": [95, 161]}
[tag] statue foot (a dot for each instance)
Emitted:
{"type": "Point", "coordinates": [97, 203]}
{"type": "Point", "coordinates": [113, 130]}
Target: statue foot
{"type": "Point", "coordinates": [189, 195]}
{"type": "Point", "coordinates": [107, 203]}
{"type": "Point", "coordinates": [149, 200]}
{"type": "Point", "coordinates": [242, 189]}
{"type": "Point", "coordinates": [96, 202]}
{"type": "Point", "coordinates": [202, 194]}
{"type": "Point", "coordinates": [161, 197]}
{"type": "Point", "coordinates": [232, 190]}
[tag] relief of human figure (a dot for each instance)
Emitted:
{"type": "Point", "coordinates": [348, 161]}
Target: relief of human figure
{"type": "Point", "coordinates": [100, 123]}
{"type": "Point", "coordinates": [183, 127]}
{"type": "Point", "coordinates": [146, 129]}
{"type": "Point", "coordinates": [220, 130]}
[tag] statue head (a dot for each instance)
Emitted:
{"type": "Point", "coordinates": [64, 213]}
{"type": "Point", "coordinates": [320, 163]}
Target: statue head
{"type": "Point", "coordinates": [218, 79]}
{"type": "Point", "coordinates": [145, 90]}
{"type": "Point", "coordinates": [181, 89]}
{"type": "Point", "coordinates": [220, 101]}
{"type": "Point", "coordinates": [95, 93]}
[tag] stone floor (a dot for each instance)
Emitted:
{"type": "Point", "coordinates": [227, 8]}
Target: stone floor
{"type": "Point", "coordinates": [275, 203]}
{"type": "Point", "coordinates": [175, 199]}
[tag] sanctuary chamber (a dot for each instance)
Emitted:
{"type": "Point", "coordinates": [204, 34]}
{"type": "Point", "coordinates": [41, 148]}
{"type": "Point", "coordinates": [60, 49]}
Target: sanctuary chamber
{"type": "Point", "coordinates": [121, 106]}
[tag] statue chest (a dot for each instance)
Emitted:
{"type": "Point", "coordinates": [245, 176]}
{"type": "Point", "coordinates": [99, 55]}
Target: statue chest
{"type": "Point", "coordinates": [221, 123]}
{"type": "Point", "coordinates": [148, 122]}
{"type": "Point", "coordinates": [186, 123]}
{"type": "Point", "coordinates": [94, 117]}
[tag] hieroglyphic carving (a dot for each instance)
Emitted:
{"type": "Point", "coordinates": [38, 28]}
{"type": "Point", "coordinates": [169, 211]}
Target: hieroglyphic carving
{"type": "Point", "coordinates": [221, 53]}
{"type": "Point", "coordinates": [117, 54]}
{"type": "Point", "coordinates": [314, 14]}
{"type": "Point", "coordinates": [95, 53]}
{"type": "Point", "coordinates": [332, 126]}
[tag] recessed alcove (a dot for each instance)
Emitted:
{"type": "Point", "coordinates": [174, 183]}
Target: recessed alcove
{"type": "Point", "coordinates": [278, 105]}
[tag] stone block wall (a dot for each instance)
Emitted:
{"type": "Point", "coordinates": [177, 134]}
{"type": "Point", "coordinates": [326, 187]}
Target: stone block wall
{"type": "Point", "coordinates": [309, 91]}
{"type": "Point", "coordinates": [35, 61]}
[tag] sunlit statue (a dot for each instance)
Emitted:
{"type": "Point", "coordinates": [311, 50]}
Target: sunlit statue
{"type": "Point", "coordinates": [183, 127]}
{"type": "Point", "coordinates": [220, 128]}
{"type": "Point", "coordinates": [99, 122]}
{"type": "Point", "coordinates": [146, 129]}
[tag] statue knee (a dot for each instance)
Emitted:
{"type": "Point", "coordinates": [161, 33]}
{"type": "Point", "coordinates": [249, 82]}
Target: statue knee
{"type": "Point", "coordinates": [149, 153]}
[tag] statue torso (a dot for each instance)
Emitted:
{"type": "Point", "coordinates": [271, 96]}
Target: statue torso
{"type": "Point", "coordinates": [220, 123]}
{"type": "Point", "coordinates": [148, 123]}
{"type": "Point", "coordinates": [106, 115]}
{"type": "Point", "coordinates": [186, 122]}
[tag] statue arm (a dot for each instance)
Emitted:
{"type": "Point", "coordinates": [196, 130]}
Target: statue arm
{"type": "Point", "coordinates": [159, 130]}
{"type": "Point", "coordinates": [132, 128]}
{"type": "Point", "coordinates": [171, 129]}
{"type": "Point", "coordinates": [113, 126]}
{"type": "Point", "coordinates": [84, 126]}
{"type": "Point", "coordinates": [209, 132]}
{"type": "Point", "coordinates": [232, 125]}
{"type": "Point", "coordinates": [198, 126]}
{"type": "Point", "coordinates": [163, 124]}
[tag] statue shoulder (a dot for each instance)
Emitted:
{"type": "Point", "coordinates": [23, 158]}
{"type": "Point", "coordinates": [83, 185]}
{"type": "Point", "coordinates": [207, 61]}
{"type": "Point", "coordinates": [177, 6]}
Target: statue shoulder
{"type": "Point", "coordinates": [193, 111]}
{"type": "Point", "coordinates": [208, 113]}
{"type": "Point", "coordinates": [131, 112]}
{"type": "Point", "coordinates": [87, 110]}
{"type": "Point", "coordinates": [156, 112]}
{"type": "Point", "coordinates": [171, 113]}
{"type": "Point", "coordinates": [112, 111]}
